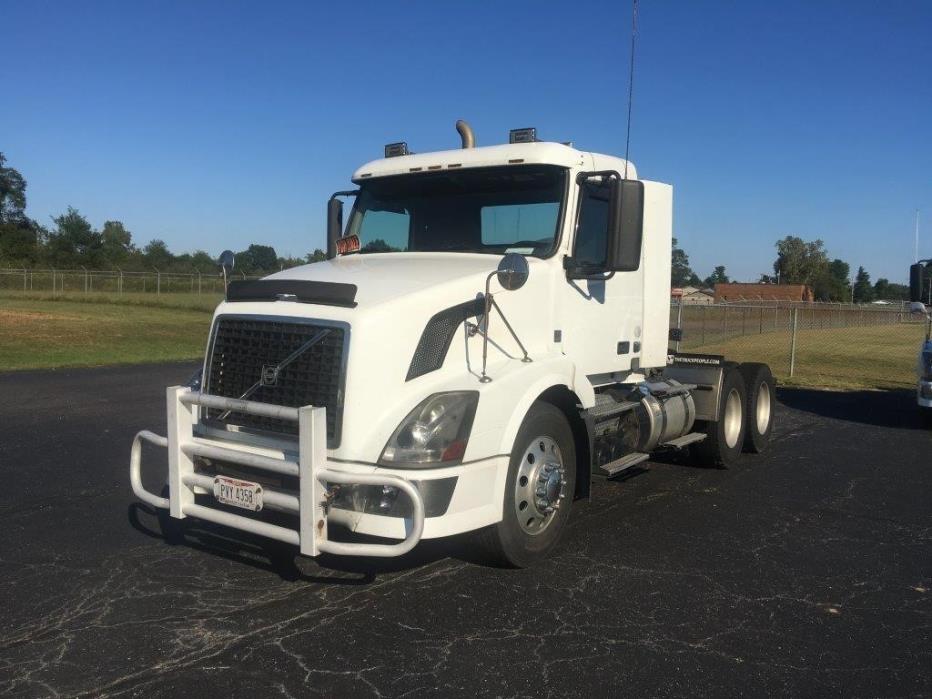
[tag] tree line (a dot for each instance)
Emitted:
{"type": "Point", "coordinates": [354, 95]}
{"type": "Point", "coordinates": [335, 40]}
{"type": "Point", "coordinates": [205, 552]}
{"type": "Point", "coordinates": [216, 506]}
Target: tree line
{"type": "Point", "coordinates": [801, 262]}
{"type": "Point", "coordinates": [72, 242]}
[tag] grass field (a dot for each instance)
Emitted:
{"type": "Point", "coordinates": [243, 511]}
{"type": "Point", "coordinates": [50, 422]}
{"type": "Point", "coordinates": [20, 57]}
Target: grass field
{"type": "Point", "coordinates": [38, 333]}
{"type": "Point", "coordinates": [39, 330]}
{"type": "Point", "coordinates": [848, 358]}
{"type": "Point", "coordinates": [194, 302]}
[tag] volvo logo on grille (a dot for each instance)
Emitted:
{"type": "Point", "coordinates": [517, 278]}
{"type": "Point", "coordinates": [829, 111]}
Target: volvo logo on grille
{"type": "Point", "coordinates": [269, 375]}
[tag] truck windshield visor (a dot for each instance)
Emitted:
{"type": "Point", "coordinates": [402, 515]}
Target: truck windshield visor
{"type": "Point", "coordinates": [480, 210]}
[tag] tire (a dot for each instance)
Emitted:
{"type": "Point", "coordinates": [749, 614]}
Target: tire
{"type": "Point", "coordinates": [759, 407]}
{"type": "Point", "coordinates": [527, 531]}
{"type": "Point", "coordinates": [725, 437]}
{"type": "Point", "coordinates": [925, 417]}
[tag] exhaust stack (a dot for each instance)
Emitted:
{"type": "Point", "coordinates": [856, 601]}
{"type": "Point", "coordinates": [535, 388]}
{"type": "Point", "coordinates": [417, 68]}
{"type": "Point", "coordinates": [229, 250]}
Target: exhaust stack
{"type": "Point", "coordinates": [466, 135]}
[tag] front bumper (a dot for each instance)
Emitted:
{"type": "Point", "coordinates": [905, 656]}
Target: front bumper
{"type": "Point", "coordinates": [311, 502]}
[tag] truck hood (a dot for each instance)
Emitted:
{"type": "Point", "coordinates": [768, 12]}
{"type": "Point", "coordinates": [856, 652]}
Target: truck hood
{"type": "Point", "coordinates": [382, 277]}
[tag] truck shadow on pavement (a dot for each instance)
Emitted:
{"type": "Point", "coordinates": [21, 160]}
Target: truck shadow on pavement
{"type": "Point", "coordinates": [283, 559]}
{"type": "Point", "coordinates": [884, 408]}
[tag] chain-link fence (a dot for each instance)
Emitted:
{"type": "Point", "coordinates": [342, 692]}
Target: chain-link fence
{"type": "Point", "coordinates": [832, 345]}
{"type": "Point", "coordinates": [61, 281]}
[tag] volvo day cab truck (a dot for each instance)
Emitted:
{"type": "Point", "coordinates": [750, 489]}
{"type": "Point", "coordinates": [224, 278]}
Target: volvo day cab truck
{"type": "Point", "coordinates": [489, 331]}
{"type": "Point", "coordinates": [920, 289]}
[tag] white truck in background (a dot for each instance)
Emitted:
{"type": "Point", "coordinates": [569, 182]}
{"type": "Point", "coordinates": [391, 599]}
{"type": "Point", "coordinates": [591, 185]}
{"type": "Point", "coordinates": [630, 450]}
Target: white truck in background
{"type": "Point", "coordinates": [489, 331]}
{"type": "Point", "coordinates": [920, 278]}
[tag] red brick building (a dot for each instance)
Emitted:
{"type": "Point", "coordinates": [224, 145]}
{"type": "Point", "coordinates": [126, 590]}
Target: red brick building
{"type": "Point", "coordinates": [733, 293]}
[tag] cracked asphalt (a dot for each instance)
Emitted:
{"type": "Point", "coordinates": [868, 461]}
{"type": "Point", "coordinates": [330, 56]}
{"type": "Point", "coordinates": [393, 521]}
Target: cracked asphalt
{"type": "Point", "coordinates": [805, 571]}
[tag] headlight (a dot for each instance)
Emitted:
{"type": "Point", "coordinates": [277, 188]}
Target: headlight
{"type": "Point", "coordinates": [435, 432]}
{"type": "Point", "coordinates": [194, 383]}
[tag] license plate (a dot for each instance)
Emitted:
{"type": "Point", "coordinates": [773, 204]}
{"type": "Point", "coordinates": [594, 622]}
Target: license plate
{"type": "Point", "coordinates": [232, 491]}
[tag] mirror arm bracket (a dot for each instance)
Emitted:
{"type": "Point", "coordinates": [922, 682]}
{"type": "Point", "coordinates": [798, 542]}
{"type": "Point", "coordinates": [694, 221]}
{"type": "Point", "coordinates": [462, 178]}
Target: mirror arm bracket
{"type": "Point", "coordinates": [489, 304]}
{"type": "Point", "coordinates": [574, 271]}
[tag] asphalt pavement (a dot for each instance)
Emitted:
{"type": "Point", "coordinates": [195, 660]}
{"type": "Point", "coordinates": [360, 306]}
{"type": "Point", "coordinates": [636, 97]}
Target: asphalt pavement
{"type": "Point", "coordinates": [805, 571]}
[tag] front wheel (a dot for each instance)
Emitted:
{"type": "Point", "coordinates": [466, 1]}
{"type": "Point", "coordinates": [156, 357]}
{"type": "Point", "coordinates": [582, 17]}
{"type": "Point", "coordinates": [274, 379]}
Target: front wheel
{"type": "Point", "coordinates": [538, 491]}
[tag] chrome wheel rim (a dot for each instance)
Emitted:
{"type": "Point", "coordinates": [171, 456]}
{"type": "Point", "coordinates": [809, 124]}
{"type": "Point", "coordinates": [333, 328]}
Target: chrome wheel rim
{"type": "Point", "coordinates": [732, 418]}
{"type": "Point", "coordinates": [763, 407]}
{"type": "Point", "coordinates": [540, 485]}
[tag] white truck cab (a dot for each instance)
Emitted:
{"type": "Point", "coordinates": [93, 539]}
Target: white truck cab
{"type": "Point", "coordinates": [491, 328]}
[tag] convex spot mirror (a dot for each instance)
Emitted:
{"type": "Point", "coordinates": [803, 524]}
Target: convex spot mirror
{"type": "Point", "coordinates": [625, 225]}
{"type": "Point", "coordinates": [513, 271]}
{"type": "Point", "coordinates": [226, 261]}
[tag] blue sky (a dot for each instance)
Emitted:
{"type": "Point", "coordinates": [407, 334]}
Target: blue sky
{"type": "Point", "coordinates": [213, 125]}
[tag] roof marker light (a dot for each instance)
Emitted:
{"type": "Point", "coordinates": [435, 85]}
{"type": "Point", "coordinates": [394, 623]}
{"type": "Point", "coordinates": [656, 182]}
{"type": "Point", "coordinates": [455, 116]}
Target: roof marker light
{"type": "Point", "coordinates": [393, 150]}
{"type": "Point", "coordinates": [522, 136]}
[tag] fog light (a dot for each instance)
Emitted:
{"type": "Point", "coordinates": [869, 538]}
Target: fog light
{"type": "Point", "coordinates": [387, 501]}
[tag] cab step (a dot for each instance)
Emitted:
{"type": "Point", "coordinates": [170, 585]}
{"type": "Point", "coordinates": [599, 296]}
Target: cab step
{"type": "Point", "coordinates": [685, 440]}
{"type": "Point", "coordinates": [618, 465]}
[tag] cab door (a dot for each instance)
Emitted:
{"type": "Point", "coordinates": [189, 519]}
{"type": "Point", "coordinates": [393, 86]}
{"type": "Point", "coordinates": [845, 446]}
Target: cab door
{"type": "Point", "coordinates": [602, 312]}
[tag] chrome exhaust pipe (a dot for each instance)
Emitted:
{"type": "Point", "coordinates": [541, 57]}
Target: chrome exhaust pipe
{"type": "Point", "coordinates": [466, 135]}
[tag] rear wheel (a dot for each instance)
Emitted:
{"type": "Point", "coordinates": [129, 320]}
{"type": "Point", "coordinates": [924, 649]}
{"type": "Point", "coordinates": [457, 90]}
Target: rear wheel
{"type": "Point", "coordinates": [725, 437]}
{"type": "Point", "coordinates": [760, 404]}
{"type": "Point", "coordinates": [538, 491]}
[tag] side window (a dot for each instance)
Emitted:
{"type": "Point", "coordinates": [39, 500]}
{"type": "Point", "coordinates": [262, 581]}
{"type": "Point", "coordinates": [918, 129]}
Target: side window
{"type": "Point", "coordinates": [381, 230]}
{"type": "Point", "coordinates": [592, 225]}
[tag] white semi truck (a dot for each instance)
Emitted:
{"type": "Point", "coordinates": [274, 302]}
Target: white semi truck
{"type": "Point", "coordinates": [920, 279]}
{"type": "Point", "coordinates": [489, 331]}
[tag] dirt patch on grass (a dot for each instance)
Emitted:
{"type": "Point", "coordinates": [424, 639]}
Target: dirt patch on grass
{"type": "Point", "coordinates": [15, 319]}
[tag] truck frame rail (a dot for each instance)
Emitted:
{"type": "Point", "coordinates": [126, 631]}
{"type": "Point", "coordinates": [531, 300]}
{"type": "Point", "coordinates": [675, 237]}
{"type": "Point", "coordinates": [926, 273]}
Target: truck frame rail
{"type": "Point", "coordinates": [310, 503]}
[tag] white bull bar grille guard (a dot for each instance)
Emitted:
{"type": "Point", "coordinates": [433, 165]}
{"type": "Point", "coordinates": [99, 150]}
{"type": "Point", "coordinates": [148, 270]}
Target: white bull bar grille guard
{"type": "Point", "coordinates": [311, 502]}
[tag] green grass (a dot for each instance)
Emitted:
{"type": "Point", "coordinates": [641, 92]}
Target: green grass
{"type": "Point", "coordinates": [37, 333]}
{"type": "Point", "coordinates": [882, 356]}
{"type": "Point", "coordinates": [39, 330]}
{"type": "Point", "coordinates": [186, 301]}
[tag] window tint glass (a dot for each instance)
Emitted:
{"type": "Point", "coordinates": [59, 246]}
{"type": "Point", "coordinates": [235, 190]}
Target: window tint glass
{"type": "Point", "coordinates": [592, 229]}
{"type": "Point", "coordinates": [383, 231]}
{"type": "Point", "coordinates": [516, 223]}
{"type": "Point", "coordinates": [484, 210]}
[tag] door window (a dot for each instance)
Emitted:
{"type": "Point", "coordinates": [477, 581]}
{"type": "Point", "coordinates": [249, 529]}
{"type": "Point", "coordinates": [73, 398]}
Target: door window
{"type": "Point", "coordinates": [592, 224]}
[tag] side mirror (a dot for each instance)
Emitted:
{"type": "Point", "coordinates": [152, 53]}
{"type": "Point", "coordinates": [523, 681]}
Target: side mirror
{"type": "Point", "coordinates": [625, 225]}
{"type": "Point", "coordinates": [513, 271]}
{"type": "Point", "coordinates": [916, 275]}
{"type": "Point", "coordinates": [334, 225]}
{"type": "Point", "coordinates": [226, 261]}
{"type": "Point", "coordinates": [226, 265]}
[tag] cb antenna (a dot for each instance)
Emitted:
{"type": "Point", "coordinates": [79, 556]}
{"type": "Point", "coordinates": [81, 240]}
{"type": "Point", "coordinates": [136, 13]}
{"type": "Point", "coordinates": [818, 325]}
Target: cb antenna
{"type": "Point", "coordinates": [634, 33]}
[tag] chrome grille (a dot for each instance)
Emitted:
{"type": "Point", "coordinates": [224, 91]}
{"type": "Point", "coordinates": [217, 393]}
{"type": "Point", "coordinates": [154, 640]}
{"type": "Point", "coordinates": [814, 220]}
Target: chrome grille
{"type": "Point", "coordinates": [243, 356]}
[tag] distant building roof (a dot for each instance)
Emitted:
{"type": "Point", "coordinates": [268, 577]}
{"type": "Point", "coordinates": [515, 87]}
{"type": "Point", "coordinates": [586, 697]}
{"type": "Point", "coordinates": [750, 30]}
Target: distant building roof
{"type": "Point", "coordinates": [762, 292]}
{"type": "Point", "coordinates": [696, 290]}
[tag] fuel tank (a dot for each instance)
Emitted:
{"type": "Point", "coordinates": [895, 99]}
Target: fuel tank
{"type": "Point", "coordinates": [640, 418]}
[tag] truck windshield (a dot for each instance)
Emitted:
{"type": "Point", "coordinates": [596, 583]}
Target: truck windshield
{"type": "Point", "coordinates": [486, 210]}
